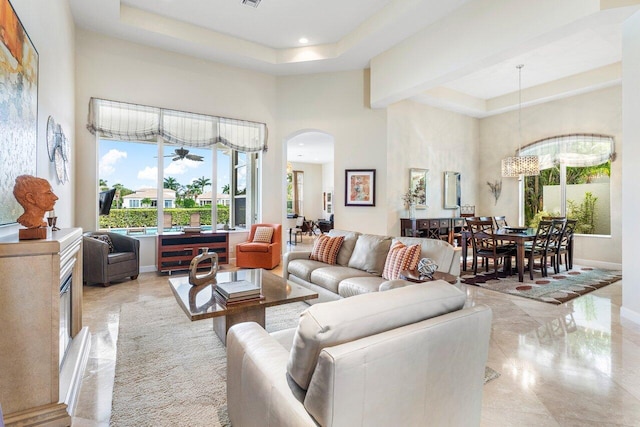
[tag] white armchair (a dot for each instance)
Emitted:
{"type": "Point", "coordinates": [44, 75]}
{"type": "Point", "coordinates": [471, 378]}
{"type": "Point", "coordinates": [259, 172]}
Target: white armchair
{"type": "Point", "coordinates": [410, 356]}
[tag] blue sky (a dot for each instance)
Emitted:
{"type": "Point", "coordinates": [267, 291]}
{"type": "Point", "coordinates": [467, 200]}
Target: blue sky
{"type": "Point", "coordinates": [135, 165]}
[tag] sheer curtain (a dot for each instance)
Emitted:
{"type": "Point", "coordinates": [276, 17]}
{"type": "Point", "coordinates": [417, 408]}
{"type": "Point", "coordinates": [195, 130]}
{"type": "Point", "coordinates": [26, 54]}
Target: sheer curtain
{"type": "Point", "coordinates": [121, 120]}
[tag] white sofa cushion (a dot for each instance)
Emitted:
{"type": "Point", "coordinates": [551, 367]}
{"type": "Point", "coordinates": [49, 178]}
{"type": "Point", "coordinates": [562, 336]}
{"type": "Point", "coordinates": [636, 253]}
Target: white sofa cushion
{"type": "Point", "coordinates": [303, 268]}
{"type": "Point", "coordinates": [359, 285]}
{"type": "Point", "coordinates": [329, 324]}
{"type": "Point", "coordinates": [370, 253]}
{"type": "Point", "coordinates": [330, 277]}
{"type": "Point", "coordinates": [349, 242]}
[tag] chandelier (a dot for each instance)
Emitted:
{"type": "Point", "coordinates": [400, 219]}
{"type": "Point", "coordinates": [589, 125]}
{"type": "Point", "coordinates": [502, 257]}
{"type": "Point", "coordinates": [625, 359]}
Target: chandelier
{"type": "Point", "coordinates": [520, 165]}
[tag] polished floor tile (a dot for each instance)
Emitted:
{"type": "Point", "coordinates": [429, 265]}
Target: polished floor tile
{"type": "Point", "coordinates": [576, 364]}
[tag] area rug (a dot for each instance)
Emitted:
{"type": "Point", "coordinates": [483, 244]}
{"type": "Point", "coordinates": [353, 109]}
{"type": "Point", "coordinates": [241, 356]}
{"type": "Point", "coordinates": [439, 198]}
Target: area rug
{"type": "Point", "coordinates": [554, 289]}
{"type": "Point", "coordinates": [171, 371]}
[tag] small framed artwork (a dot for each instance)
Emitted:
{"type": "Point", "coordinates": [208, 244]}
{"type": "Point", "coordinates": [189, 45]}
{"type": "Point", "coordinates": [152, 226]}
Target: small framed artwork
{"type": "Point", "coordinates": [329, 208]}
{"type": "Point", "coordinates": [418, 186]}
{"type": "Point", "coordinates": [360, 187]}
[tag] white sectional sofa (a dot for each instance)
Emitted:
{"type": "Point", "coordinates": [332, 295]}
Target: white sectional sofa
{"type": "Point", "coordinates": [360, 263]}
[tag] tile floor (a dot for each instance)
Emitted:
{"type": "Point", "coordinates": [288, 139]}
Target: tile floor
{"type": "Point", "coordinates": [577, 364]}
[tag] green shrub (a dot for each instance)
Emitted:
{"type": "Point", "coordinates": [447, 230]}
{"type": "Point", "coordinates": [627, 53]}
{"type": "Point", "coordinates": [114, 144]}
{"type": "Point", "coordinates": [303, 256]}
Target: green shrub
{"type": "Point", "coordinates": [148, 217]}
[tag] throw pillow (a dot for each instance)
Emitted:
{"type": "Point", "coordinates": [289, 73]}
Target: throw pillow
{"type": "Point", "coordinates": [105, 238]}
{"type": "Point", "coordinates": [325, 249]}
{"type": "Point", "coordinates": [400, 257]}
{"type": "Point", "coordinates": [263, 234]}
{"type": "Point", "coordinates": [370, 253]}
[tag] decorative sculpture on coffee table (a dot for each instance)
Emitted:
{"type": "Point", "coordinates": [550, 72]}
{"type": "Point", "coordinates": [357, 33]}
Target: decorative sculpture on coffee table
{"type": "Point", "coordinates": [36, 197]}
{"type": "Point", "coordinates": [426, 267]}
{"type": "Point", "coordinates": [194, 279]}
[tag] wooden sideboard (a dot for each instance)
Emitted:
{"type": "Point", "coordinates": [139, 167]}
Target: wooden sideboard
{"type": "Point", "coordinates": [43, 346]}
{"type": "Point", "coordinates": [433, 228]}
{"type": "Point", "coordinates": [176, 250]}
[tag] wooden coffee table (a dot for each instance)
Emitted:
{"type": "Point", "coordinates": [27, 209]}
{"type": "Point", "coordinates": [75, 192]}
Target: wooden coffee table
{"type": "Point", "coordinates": [414, 276]}
{"type": "Point", "coordinates": [200, 302]}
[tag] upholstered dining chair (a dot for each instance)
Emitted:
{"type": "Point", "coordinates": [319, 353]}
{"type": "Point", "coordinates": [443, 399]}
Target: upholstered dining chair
{"type": "Point", "coordinates": [109, 256]}
{"type": "Point", "coordinates": [486, 246]}
{"type": "Point", "coordinates": [262, 248]}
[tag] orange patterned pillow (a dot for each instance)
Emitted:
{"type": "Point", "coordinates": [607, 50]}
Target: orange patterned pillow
{"type": "Point", "coordinates": [400, 257]}
{"type": "Point", "coordinates": [325, 248]}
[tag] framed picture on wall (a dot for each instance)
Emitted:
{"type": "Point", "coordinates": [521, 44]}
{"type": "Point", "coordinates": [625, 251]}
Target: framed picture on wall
{"type": "Point", "coordinates": [418, 186]}
{"type": "Point", "coordinates": [360, 187]}
{"type": "Point", "coordinates": [19, 108]}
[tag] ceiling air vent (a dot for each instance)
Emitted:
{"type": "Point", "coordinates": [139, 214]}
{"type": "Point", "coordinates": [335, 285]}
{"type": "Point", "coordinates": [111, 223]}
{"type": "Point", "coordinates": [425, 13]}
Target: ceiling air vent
{"type": "Point", "coordinates": [252, 3]}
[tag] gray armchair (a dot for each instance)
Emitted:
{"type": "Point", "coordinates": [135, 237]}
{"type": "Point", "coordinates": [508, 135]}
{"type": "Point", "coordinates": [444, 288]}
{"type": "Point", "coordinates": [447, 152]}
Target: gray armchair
{"type": "Point", "coordinates": [103, 266]}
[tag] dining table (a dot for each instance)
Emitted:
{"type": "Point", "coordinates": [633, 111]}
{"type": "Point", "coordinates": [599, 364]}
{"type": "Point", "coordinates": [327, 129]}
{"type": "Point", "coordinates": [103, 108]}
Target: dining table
{"type": "Point", "coordinates": [519, 236]}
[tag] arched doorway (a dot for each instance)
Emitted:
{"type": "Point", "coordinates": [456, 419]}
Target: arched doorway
{"type": "Point", "coordinates": [309, 176]}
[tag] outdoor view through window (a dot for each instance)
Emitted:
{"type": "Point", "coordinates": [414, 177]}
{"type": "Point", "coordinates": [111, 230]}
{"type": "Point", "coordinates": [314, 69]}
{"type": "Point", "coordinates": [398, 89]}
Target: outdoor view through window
{"type": "Point", "coordinates": [187, 181]}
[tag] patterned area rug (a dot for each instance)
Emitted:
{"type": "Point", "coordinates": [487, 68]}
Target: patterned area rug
{"type": "Point", "coordinates": [554, 289]}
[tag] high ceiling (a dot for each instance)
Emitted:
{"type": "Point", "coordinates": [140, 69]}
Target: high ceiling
{"type": "Point", "coordinates": [346, 35]}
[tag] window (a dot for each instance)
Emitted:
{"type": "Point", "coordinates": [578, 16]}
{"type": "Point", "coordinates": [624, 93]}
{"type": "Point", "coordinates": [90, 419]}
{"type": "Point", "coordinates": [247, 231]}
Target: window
{"type": "Point", "coordinates": [574, 181]}
{"type": "Point", "coordinates": [191, 155]}
{"type": "Point", "coordinates": [132, 168]}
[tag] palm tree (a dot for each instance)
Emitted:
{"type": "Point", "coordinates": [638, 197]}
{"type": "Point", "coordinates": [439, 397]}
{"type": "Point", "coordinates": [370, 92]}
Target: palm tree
{"type": "Point", "coordinates": [225, 189]}
{"type": "Point", "coordinates": [201, 183]}
{"type": "Point", "coordinates": [102, 183]}
{"type": "Point", "coordinates": [171, 183]}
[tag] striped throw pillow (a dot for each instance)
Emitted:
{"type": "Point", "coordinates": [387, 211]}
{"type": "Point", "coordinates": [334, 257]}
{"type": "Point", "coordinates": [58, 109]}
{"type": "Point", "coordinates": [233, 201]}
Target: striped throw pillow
{"type": "Point", "coordinates": [263, 235]}
{"type": "Point", "coordinates": [325, 248]}
{"type": "Point", "coordinates": [400, 257]}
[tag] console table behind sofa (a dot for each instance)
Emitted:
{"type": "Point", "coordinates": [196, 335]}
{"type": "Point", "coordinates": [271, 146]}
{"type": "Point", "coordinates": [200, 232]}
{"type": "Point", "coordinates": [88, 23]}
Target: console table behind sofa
{"type": "Point", "coordinates": [446, 229]}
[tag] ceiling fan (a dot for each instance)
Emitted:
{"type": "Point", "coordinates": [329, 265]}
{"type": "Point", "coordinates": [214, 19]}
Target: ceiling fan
{"type": "Point", "coordinates": [183, 153]}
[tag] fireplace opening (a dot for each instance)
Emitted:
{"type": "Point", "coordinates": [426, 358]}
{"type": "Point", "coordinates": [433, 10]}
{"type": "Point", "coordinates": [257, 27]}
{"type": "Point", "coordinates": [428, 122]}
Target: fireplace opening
{"type": "Point", "coordinates": [65, 317]}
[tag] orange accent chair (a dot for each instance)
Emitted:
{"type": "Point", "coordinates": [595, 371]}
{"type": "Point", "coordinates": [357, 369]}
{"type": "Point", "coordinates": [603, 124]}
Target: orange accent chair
{"type": "Point", "coordinates": [252, 254]}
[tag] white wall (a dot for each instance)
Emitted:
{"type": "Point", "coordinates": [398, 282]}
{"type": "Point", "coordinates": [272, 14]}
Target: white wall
{"type": "Point", "coordinates": [631, 196]}
{"type": "Point", "coordinates": [118, 70]}
{"type": "Point", "coordinates": [337, 103]}
{"type": "Point", "coordinates": [425, 137]}
{"type": "Point", "coordinates": [122, 71]}
{"type": "Point", "coordinates": [50, 27]}
{"type": "Point", "coordinates": [595, 112]}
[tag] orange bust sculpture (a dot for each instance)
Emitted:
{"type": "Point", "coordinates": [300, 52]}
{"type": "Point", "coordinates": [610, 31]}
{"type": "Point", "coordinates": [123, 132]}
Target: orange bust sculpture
{"type": "Point", "coordinates": [36, 197]}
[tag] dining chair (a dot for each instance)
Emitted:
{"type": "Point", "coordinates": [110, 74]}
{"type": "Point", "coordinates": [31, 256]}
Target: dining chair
{"type": "Point", "coordinates": [486, 246]}
{"type": "Point", "coordinates": [296, 231]}
{"type": "Point", "coordinates": [565, 246]}
{"type": "Point", "coordinates": [501, 222]}
{"type": "Point", "coordinates": [539, 248]}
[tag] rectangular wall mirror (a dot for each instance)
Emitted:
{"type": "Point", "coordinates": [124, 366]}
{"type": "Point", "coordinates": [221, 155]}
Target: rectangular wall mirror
{"type": "Point", "coordinates": [418, 186]}
{"type": "Point", "coordinates": [451, 190]}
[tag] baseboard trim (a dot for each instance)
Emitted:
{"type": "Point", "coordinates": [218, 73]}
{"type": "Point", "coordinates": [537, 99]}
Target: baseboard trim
{"type": "Point", "coordinates": [598, 264]}
{"type": "Point", "coordinates": [630, 315]}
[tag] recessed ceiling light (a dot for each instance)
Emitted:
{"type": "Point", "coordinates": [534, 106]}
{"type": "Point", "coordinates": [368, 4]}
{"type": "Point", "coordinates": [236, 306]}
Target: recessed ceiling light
{"type": "Point", "coordinates": [303, 40]}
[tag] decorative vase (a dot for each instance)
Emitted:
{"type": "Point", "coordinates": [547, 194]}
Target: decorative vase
{"type": "Point", "coordinates": [196, 279]}
{"type": "Point", "coordinates": [412, 211]}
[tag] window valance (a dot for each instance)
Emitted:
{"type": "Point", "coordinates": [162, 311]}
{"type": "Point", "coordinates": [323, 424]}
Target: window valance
{"type": "Point", "coordinates": [578, 150]}
{"type": "Point", "coordinates": [121, 120]}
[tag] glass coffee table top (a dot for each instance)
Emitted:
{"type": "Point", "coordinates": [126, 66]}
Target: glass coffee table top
{"type": "Point", "coordinates": [200, 302]}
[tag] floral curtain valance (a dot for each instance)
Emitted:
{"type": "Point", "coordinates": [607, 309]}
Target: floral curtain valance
{"type": "Point", "coordinates": [578, 150]}
{"type": "Point", "coordinates": [121, 120]}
